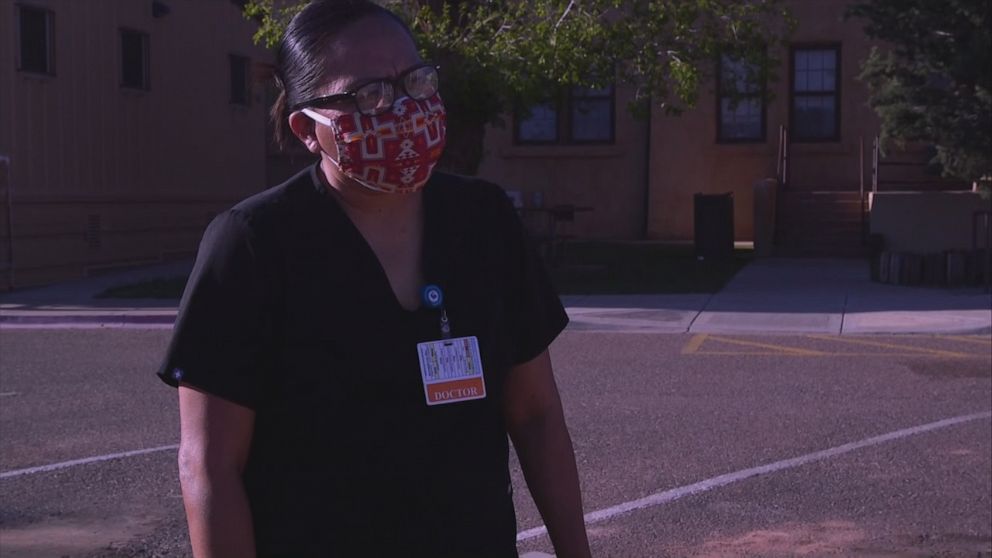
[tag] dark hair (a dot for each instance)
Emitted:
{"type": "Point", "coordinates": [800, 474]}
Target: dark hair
{"type": "Point", "coordinates": [299, 59]}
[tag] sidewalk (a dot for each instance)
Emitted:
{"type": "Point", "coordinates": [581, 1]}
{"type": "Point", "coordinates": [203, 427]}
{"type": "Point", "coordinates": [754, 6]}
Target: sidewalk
{"type": "Point", "coordinates": [768, 296]}
{"type": "Point", "coordinates": [828, 296]}
{"type": "Point", "coordinates": [75, 302]}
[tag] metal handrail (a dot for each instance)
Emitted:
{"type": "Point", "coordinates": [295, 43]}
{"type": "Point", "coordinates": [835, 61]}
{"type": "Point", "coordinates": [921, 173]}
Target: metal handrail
{"type": "Point", "coordinates": [861, 190]}
{"type": "Point", "coordinates": [985, 217]}
{"type": "Point", "coordinates": [782, 163]}
{"type": "Point", "coordinates": [874, 165]}
{"type": "Point", "coordinates": [778, 157]}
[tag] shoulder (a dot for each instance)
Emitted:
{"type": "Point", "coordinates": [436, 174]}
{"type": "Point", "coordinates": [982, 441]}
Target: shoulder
{"type": "Point", "coordinates": [260, 220]}
{"type": "Point", "coordinates": [277, 203]}
{"type": "Point", "coordinates": [471, 195]}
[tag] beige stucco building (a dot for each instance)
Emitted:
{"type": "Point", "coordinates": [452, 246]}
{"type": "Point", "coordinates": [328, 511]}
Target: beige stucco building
{"type": "Point", "coordinates": [641, 182]}
{"type": "Point", "coordinates": [124, 126]}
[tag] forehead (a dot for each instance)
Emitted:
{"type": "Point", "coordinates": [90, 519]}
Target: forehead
{"type": "Point", "coordinates": [372, 47]}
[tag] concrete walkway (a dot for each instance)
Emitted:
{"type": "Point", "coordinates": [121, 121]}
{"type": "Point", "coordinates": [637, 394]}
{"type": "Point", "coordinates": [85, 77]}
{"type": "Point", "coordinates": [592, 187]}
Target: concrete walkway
{"type": "Point", "coordinates": [793, 296]}
{"type": "Point", "coordinates": [768, 296]}
{"type": "Point", "coordinates": [75, 302]}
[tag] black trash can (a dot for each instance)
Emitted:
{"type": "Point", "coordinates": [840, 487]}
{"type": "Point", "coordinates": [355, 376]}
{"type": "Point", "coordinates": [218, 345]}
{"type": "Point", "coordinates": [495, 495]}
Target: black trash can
{"type": "Point", "coordinates": [714, 226]}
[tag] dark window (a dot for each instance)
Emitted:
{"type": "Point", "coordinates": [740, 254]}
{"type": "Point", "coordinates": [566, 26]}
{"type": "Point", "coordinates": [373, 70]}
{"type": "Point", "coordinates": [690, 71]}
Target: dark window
{"type": "Point", "coordinates": [741, 110]}
{"type": "Point", "coordinates": [540, 126]}
{"type": "Point", "coordinates": [239, 79]}
{"type": "Point", "coordinates": [134, 59]}
{"type": "Point", "coordinates": [591, 115]}
{"type": "Point", "coordinates": [582, 115]}
{"type": "Point", "coordinates": [816, 94]}
{"type": "Point", "coordinates": [36, 33]}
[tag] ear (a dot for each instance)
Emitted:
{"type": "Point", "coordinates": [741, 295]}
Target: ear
{"type": "Point", "coordinates": [305, 129]}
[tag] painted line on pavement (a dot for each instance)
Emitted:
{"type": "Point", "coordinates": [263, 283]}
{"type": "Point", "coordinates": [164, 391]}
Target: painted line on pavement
{"type": "Point", "coordinates": [673, 494]}
{"type": "Point", "coordinates": [84, 461]}
{"type": "Point", "coordinates": [965, 339]}
{"type": "Point", "coordinates": [783, 354]}
{"type": "Point", "coordinates": [693, 345]}
{"type": "Point", "coordinates": [934, 352]}
{"type": "Point", "coordinates": [783, 348]}
{"type": "Point", "coordinates": [697, 345]}
{"type": "Point", "coordinates": [9, 394]}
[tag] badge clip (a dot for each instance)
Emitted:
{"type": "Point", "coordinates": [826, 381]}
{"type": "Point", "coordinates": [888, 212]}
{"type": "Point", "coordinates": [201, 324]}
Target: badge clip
{"type": "Point", "coordinates": [433, 297]}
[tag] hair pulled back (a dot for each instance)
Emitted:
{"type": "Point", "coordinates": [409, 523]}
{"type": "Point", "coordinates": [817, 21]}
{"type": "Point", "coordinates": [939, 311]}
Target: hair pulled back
{"type": "Point", "coordinates": [300, 56]}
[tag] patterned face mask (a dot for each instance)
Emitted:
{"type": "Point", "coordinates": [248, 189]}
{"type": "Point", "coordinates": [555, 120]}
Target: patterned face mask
{"type": "Point", "coordinates": [394, 151]}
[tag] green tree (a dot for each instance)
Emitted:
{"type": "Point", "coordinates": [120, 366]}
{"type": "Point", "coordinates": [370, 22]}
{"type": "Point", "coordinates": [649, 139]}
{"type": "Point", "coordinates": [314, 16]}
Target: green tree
{"type": "Point", "coordinates": [499, 56]}
{"type": "Point", "coordinates": [932, 82]}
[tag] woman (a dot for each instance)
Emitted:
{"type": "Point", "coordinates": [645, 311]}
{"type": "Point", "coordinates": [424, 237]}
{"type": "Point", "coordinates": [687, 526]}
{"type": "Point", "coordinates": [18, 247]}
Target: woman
{"type": "Point", "coordinates": [354, 345]}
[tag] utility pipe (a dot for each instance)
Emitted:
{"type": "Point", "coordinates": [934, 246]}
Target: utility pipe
{"type": "Point", "coordinates": [10, 223]}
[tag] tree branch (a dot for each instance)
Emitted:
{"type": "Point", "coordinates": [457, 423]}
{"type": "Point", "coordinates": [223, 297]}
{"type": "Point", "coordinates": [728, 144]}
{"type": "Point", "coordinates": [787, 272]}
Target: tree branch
{"type": "Point", "coordinates": [565, 13]}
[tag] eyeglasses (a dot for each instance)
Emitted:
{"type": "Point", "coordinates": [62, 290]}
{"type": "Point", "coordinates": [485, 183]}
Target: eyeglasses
{"type": "Point", "coordinates": [376, 97]}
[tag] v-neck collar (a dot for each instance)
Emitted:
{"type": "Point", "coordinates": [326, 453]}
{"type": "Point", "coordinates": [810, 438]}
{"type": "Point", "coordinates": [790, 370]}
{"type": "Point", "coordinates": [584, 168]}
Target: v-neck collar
{"type": "Point", "coordinates": [429, 249]}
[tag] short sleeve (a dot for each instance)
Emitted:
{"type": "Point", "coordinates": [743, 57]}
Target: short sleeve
{"type": "Point", "coordinates": [535, 312]}
{"type": "Point", "coordinates": [220, 339]}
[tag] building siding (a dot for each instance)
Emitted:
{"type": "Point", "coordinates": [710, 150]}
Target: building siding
{"type": "Point", "coordinates": [153, 165]}
{"type": "Point", "coordinates": [610, 178]}
{"type": "Point", "coordinates": [686, 158]}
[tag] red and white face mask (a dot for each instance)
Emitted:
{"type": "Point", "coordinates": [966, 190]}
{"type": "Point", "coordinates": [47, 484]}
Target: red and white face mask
{"type": "Point", "coordinates": [391, 152]}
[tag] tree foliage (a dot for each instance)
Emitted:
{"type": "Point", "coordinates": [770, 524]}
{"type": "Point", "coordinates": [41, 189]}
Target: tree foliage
{"type": "Point", "coordinates": [504, 55]}
{"type": "Point", "coordinates": [932, 82]}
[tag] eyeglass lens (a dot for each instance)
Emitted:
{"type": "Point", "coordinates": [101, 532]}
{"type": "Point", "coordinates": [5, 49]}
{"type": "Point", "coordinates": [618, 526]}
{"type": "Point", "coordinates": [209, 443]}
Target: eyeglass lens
{"type": "Point", "coordinates": [376, 97]}
{"type": "Point", "coordinates": [421, 83]}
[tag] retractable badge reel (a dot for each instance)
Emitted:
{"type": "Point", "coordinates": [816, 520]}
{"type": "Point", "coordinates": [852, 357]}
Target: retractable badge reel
{"type": "Point", "coordinates": [433, 298]}
{"type": "Point", "coordinates": [451, 369]}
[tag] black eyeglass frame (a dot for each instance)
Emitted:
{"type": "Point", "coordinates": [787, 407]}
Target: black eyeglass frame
{"type": "Point", "coordinates": [399, 80]}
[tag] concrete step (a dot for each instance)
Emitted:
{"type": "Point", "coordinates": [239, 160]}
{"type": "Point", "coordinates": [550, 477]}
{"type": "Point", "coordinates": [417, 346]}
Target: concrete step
{"type": "Point", "coordinates": [813, 252]}
{"type": "Point", "coordinates": [820, 223]}
{"type": "Point", "coordinates": [817, 227]}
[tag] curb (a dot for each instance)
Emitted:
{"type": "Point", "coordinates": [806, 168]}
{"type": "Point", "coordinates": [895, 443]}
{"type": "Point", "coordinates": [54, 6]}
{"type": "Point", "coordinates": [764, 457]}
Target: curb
{"type": "Point", "coordinates": [90, 319]}
{"type": "Point", "coordinates": [40, 319]}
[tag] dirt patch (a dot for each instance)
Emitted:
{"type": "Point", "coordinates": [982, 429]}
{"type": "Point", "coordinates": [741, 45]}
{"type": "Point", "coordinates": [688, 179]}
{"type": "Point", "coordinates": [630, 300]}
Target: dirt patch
{"type": "Point", "coordinates": [790, 539]}
{"type": "Point", "coordinates": [841, 538]}
{"type": "Point", "coordinates": [61, 537]}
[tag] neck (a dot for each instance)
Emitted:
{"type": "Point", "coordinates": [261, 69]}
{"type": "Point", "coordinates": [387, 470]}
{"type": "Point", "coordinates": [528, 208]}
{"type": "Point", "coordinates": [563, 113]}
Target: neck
{"type": "Point", "coordinates": [359, 201]}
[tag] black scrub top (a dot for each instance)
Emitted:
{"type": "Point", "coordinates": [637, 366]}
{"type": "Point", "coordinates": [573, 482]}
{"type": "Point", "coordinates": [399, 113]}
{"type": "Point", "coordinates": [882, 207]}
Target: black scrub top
{"type": "Point", "coordinates": [288, 312]}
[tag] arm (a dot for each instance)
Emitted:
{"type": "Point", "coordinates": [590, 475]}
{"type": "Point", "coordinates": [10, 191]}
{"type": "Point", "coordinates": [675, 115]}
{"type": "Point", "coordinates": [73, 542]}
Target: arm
{"type": "Point", "coordinates": [213, 448]}
{"type": "Point", "coordinates": [536, 425]}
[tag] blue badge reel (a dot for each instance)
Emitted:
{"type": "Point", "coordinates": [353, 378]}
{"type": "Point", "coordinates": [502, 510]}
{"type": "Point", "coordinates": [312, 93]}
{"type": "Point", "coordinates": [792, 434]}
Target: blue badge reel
{"type": "Point", "coordinates": [432, 296]}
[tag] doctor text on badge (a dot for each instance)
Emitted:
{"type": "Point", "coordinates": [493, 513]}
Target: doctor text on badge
{"type": "Point", "coordinates": [451, 370]}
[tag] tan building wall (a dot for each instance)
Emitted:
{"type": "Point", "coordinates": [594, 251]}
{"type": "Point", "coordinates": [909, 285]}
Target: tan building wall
{"type": "Point", "coordinates": [609, 178]}
{"type": "Point", "coordinates": [688, 159]}
{"type": "Point", "coordinates": [106, 176]}
{"type": "Point", "coordinates": [685, 156]}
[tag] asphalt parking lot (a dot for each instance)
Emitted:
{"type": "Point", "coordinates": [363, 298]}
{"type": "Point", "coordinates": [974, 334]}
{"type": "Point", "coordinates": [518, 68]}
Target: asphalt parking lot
{"type": "Point", "coordinates": [706, 445]}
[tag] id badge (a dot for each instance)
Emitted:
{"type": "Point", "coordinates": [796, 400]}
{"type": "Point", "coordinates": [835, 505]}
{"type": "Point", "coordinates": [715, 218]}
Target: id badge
{"type": "Point", "coordinates": [451, 370]}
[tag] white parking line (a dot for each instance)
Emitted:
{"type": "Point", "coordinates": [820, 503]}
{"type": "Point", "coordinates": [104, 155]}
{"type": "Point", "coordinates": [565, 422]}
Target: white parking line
{"type": "Point", "coordinates": [652, 500]}
{"type": "Point", "coordinates": [84, 461]}
{"type": "Point", "coordinates": [673, 494]}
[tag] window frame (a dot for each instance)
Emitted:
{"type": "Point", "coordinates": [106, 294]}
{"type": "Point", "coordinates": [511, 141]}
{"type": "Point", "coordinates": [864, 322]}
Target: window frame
{"type": "Point", "coordinates": [50, 38]}
{"type": "Point", "coordinates": [231, 57]}
{"type": "Point", "coordinates": [146, 59]}
{"type": "Point", "coordinates": [569, 122]}
{"type": "Point", "coordinates": [564, 103]}
{"type": "Point", "coordinates": [518, 116]}
{"type": "Point", "coordinates": [761, 94]}
{"type": "Point", "coordinates": [794, 136]}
